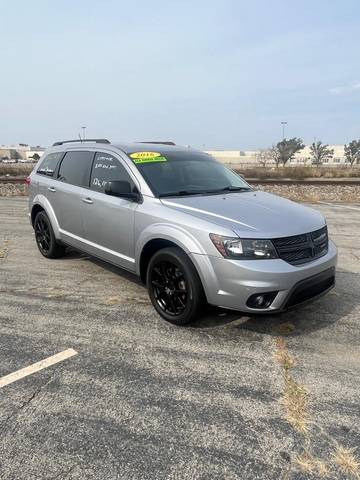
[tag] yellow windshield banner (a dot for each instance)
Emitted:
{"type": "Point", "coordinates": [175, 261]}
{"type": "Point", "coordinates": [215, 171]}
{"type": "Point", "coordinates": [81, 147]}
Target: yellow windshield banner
{"type": "Point", "coordinates": [147, 157]}
{"type": "Point", "coordinates": [145, 154]}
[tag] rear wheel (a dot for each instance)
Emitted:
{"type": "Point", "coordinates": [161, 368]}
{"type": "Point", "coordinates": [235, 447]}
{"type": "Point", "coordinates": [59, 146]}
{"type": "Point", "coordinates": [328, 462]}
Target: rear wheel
{"type": "Point", "coordinates": [45, 238]}
{"type": "Point", "coordinates": [174, 286]}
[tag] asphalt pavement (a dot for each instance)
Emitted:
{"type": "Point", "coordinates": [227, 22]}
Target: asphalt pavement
{"type": "Point", "coordinates": [143, 399]}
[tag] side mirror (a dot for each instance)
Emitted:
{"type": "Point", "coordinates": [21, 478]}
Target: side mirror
{"type": "Point", "coordinates": [122, 189]}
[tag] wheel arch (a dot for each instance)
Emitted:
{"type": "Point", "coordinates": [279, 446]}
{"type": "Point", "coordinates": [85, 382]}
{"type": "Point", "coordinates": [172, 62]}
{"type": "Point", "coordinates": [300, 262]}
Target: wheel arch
{"type": "Point", "coordinates": [163, 236]}
{"type": "Point", "coordinates": [41, 203]}
{"type": "Point", "coordinates": [149, 250]}
{"type": "Point", "coordinates": [34, 211]}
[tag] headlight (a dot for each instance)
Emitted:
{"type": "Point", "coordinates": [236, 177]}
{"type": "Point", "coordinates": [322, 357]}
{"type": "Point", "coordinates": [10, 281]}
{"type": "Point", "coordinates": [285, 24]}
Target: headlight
{"type": "Point", "coordinates": [244, 248]}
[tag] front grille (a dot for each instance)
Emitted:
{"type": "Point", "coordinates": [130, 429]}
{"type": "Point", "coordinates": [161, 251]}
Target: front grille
{"type": "Point", "coordinates": [302, 248]}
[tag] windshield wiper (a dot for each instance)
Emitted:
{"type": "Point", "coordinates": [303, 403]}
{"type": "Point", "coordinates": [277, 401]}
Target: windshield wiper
{"type": "Point", "coordinates": [182, 193]}
{"type": "Point", "coordinates": [230, 188]}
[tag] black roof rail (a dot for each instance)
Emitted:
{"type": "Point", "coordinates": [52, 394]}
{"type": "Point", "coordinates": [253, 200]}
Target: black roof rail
{"type": "Point", "coordinates": [160, 143]}
{"type": "Point", "coordinates": [95, 140]}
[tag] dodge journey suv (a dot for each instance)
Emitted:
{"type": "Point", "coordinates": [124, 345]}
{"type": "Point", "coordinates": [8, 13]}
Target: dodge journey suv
{"type": "Point", "coordinates": [192, 229]}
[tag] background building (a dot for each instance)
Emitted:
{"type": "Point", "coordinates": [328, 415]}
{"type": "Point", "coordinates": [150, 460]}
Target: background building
{"type": "Point", "coordinates": [304, 156]}
{"type": "Point", "coordinates": [20, 152]}
{"type": "Point", "coordinates": [251, 157]}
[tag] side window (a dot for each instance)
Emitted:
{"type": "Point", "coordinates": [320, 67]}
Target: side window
{"type": "Point", "coordinates": [107, 168]}
{"type": "Point", "coordinates": [49, 164]}
{"type": "Point", "coordinates": [75, 168]}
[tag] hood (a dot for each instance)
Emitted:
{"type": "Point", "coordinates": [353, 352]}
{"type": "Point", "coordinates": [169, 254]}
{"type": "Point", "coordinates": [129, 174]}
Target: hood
{"type": "Point", "coordinates": [254, 214]}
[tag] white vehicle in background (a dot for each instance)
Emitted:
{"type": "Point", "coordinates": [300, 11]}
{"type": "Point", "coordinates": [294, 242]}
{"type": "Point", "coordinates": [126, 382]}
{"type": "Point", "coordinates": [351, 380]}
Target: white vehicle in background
{"type": "Point", "coordinates": [9, 160]}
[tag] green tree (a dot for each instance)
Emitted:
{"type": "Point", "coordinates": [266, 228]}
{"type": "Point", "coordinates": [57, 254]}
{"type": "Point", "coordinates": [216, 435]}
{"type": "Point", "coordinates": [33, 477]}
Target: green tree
{"type": "Point", "coordinates": [36, 157]}
{"type": "Point", "coordinates": [320, 152]}
{"type": "Point", "coordinates": [286, 149]}
{"type": "Point", "coordinates": [352, 152]}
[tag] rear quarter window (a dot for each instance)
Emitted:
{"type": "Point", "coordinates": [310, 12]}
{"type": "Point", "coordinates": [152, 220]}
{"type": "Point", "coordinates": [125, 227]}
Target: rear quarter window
{"type": "Point", "coordinates": [49, 163]}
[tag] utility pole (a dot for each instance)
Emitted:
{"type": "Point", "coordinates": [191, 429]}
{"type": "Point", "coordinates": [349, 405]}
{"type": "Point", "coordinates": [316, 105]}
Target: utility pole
{"type": "Point", "coordinates": [283, 128]}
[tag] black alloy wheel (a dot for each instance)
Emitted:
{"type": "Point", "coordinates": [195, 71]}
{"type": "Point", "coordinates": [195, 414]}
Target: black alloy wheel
{"type": "Point", "coordinates": [42, 234]}
{"type": "Point", "coordinates": [174, 286]}
{"type": "Point", "coordinates": [169, 286]}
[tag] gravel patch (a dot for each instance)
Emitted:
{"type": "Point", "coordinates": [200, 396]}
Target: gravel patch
{"type": "Point", "coordinates": [13, 190]}
{"type": "Point", "coordinates": [313, 193]}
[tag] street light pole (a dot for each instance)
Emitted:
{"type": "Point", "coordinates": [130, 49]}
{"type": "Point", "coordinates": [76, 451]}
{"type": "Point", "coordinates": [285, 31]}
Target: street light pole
{"type": "Point", "coordinates": [283, 128]}
{"type": "Point", "coordinates": [83, 129]}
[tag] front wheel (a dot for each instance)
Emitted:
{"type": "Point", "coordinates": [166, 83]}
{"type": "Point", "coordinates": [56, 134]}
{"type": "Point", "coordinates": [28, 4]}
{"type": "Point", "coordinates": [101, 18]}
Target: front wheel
{"type": "Point", "coordinates": [174, 286]}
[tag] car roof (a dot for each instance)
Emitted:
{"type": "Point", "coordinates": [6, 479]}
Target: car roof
{"type": "Point", "coordinates": [125, 147]}
{"type": "Point", "coordinates": [132, 147]}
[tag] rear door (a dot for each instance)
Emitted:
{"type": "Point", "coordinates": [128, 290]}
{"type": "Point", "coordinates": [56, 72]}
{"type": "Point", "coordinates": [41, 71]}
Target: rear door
{"type": "Point", "coordinates": [66, 193]}
{"type": "Point", "coordinates": [108, 220]}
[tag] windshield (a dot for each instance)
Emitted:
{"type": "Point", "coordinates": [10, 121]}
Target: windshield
{"type": "Point", "coordinates": [186, 173]}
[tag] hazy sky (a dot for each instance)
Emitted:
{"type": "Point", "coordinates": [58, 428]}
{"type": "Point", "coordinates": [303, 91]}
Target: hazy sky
{"type": "Point", "coordinates": [223, 74]}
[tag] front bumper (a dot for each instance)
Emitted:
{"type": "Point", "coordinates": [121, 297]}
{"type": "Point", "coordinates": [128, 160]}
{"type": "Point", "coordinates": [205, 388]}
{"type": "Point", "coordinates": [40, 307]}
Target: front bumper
{"type": "Point", "coordinates": [230, 283]}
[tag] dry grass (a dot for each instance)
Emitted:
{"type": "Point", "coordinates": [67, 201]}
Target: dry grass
{"type": "Point", "coordinates": [285, 328]}
{"type": "Point", "coordinates": [282, 355]}
{"type": "Point", "coordinates": [4, 249]}
{"type": "Point", "coordinates": [296, 402]}
{"type": "Point", "coordinates": [299, 172]}
{"type": "Point", "coordinates": [345, 459]}
{"type": "Point", "coordinates": [312, 465]}
{"type": "Point", "coordinates": [112, 301]}
{"type": "Point", "coordinates": [295, 397]}
{"type": "Point", "coordinates": [248, 172]}
{"type": "Point", "coordinates": [16, 169]}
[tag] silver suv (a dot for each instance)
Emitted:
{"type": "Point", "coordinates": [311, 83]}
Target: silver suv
{"type": "Point", "coordinates": [192, 229]}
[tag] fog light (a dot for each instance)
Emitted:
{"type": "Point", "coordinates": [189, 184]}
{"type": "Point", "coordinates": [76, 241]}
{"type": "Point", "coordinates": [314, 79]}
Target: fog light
{"type": "Point", "coordinates": [261, 300]}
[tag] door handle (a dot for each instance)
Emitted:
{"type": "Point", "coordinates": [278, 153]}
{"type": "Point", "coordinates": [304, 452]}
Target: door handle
{"type": "Point", "coordinates": [87, 200]}
{"type": "Point", "coordinates": [52, 189]}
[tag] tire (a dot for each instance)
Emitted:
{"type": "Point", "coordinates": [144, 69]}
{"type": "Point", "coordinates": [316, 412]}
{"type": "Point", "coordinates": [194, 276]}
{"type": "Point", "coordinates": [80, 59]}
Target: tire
{"type": "Point", "coordinates": [45, 238]}
{"type": "Point", "coordinates": [174, 286]}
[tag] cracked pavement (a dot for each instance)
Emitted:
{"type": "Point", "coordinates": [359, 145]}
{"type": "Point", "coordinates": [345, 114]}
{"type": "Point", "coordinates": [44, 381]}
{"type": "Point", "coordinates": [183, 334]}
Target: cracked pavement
{"type": "Point", "coordinates": [147, 400]}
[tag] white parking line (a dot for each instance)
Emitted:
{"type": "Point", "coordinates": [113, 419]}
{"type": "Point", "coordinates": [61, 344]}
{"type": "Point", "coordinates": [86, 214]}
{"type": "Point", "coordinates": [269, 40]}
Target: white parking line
{"type": "Point", "coordinates": [36, 367]}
